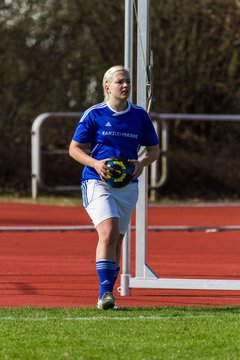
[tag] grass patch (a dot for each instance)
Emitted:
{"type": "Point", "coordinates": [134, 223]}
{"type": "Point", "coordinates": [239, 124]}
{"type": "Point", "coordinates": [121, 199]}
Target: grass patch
{"type": "Point", "coordinates": [128, 333]}
{"type": "Point", "coordinates": [45, 200]}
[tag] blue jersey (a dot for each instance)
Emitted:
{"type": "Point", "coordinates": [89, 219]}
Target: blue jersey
{"type": "Point", "coordinates": [112, 133]}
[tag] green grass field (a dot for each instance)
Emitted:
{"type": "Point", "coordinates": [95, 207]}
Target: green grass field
{"type": "Point", "coordinates": [128, 333]}
{"type": "Point", "coordinates": [44, 200]}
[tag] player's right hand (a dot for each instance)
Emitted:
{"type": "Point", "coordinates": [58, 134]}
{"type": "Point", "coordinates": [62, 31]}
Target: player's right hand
{"type": "Point", "coordinates": [101, 168]}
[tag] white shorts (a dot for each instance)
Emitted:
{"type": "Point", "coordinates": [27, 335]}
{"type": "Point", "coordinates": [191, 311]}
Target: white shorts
{"type": "Point", "coordinates": [102, 202]}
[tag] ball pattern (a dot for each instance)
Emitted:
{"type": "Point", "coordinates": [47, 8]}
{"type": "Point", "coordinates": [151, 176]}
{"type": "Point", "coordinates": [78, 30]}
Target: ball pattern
{"type": "Point", "coordinates": [120, 172]}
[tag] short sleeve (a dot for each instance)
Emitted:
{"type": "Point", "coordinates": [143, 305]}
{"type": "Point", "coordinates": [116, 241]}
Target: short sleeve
{"type": "Point", "coordinates": [150, 137]}
{"type": "Point", "coordinates": [84, 130]}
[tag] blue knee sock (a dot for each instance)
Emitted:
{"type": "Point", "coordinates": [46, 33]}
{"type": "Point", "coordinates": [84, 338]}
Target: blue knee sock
{"type": "Point", "coordinates": [106, 270]}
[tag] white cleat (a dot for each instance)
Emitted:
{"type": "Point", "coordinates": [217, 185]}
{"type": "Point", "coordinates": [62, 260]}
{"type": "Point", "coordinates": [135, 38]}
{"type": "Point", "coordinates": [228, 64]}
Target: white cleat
{"type": "Point", "coordinates": [106, 302]}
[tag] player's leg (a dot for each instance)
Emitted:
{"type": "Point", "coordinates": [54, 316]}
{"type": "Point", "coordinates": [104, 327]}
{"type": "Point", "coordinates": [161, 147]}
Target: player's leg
{"type": "Point", "coordinates": [108, 235]}
{"type": "Point", "coordinates": [102, 209]}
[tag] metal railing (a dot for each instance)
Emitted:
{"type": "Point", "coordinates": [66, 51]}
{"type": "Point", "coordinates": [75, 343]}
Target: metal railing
{"type": "Point", "coordinates": [161, 166]}
{"type": "Point", "coordinates": [36, 151]}
{"type": "Point", "coordinates": [162, 121]}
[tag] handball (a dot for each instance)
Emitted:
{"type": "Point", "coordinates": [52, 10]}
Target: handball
{"type": "Point", "coordinates": [120, 172]}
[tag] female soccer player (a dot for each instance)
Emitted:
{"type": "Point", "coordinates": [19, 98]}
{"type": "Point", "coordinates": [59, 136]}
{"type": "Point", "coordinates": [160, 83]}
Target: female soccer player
{"type": "Point", "coordinates": [113, 128]}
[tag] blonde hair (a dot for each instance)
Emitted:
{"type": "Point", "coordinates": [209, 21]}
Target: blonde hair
{"type": "Point", "coordinates": [108, 77]}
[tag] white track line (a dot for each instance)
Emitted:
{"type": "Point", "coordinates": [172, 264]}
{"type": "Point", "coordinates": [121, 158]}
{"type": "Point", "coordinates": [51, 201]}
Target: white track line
{"type": "Point", "coordinates": [208, 228]}
{"type": "Point", "coordinates": [123, 318]}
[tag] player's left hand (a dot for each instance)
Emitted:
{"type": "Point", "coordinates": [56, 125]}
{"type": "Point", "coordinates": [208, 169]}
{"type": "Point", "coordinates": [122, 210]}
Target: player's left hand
{"type": "Point", "coordinates": [138, 168]}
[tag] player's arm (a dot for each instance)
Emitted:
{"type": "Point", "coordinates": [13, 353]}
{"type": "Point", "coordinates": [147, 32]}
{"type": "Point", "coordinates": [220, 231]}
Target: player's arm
{"type": "Point", "coordinates": [78, 151]}
{"type": "Point", "coordinates": [151, 154]}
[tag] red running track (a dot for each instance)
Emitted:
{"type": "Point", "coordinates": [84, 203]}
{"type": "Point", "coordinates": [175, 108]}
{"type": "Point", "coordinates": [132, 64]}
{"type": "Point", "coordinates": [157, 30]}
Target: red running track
{"type": "Point", "coordinates": [57, 269]}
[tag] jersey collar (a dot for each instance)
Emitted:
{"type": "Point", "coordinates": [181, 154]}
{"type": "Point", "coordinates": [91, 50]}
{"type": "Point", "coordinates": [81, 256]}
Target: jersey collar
{"type": "Point", "coordinates": [116, 113]}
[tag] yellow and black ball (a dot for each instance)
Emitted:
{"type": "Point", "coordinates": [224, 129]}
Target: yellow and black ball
{"type": "Point", "coordinates": [120, 172]}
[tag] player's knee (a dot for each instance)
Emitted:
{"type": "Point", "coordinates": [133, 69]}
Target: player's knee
{"type": "Point", "coordinates": [109, 239]}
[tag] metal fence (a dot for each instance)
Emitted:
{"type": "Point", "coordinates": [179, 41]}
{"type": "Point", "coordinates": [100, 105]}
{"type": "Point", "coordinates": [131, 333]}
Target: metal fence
{"type": "Point", "coordinates": [160, 121]}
